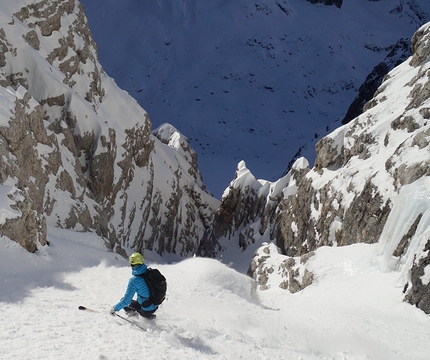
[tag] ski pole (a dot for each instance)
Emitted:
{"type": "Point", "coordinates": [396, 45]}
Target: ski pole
{"type": "Point", "coordinates": [132, 323]}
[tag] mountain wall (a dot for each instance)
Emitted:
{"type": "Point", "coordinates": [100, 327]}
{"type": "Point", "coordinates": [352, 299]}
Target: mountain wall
{"type": "Point", "coordinates": [78, 152]}
{"type": "Point", "coordinates": [230, 75]}
{"type": "Point", "coordinates": [347, 196]}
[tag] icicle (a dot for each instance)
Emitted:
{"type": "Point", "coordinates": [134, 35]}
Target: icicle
{"type": "Point", "coordinates": [413, 200]}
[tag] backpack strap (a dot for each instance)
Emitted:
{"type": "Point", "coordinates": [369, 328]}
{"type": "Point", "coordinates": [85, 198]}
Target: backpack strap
{"type": "Point", "coordinates": [147, 302]}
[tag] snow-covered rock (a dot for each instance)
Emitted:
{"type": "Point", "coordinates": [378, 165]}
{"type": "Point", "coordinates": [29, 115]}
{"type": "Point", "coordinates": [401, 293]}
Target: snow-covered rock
{"type": "Point", "coordinates": [79, 150]}
{"type": "Point", "coordinates": [348, 195]}
{"type": "Point", "coordinates": [269, 269]}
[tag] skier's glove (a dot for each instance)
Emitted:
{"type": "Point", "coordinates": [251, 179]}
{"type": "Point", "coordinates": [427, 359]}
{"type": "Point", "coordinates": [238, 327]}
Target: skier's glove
{"type": "Point", "coordinates": [112, 311]}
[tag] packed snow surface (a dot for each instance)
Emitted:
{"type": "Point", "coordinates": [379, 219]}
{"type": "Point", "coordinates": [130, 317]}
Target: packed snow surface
{"type": "Point", "coordinates": [353, 310]}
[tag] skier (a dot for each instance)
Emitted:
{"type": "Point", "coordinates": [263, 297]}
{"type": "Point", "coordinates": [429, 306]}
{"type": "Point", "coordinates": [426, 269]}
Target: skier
{"type": "Point", "coordinates": [143, 306]}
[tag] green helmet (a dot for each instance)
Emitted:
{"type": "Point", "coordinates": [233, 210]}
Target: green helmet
{"type": "Point", "coordinates": [136, 259]}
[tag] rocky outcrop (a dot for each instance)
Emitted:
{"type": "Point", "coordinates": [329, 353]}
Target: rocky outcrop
{"type": "Point", "coordinates": [269, 268]}
{"type": "Point", "coordinates": [418, 293]}
{"type": "Point", "coordinates": [80, 151]}
{"type": "Point", "coordinates": [22, 166]}
{"type": "Point", "coordinates": [419, 290]}
{"type": "Point", "coordinates": [420, 46]}
{"type": "Point", "coordinates": [247, 211]}
{"type": "Point", "coordinates": [21, 223]}
{"type": "Point", "coordinates": [338, 3]}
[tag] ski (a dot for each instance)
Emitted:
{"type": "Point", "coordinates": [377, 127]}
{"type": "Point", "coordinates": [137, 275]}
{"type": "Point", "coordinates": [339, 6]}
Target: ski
{"type": "Point", "coordinates": [80, 307]}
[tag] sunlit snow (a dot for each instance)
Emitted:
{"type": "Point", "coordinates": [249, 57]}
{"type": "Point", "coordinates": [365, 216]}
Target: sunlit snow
{"type": "Point", "coordinates": [354, 310]}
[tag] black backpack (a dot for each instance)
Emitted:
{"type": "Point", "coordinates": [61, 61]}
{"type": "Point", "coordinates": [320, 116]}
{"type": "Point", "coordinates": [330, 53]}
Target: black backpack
{"type": "Point", "coordinates": [157, 286]}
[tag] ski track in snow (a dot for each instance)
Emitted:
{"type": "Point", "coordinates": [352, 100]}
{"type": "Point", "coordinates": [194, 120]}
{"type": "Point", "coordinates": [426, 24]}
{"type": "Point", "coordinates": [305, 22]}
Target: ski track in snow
{"type": "Point", "coordinates": [352, 311]}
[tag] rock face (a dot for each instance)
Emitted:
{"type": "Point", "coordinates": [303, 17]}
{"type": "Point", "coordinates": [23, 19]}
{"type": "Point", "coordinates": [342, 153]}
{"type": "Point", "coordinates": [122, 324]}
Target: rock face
{"type": "Point", "coordinates": [347, 196]}
{"type": "Point", "coordinates": [419, 292]}
{"type": "Point", "coordinates": [79, 151]}
{"type": "Point", "coordinates": [338, 3]}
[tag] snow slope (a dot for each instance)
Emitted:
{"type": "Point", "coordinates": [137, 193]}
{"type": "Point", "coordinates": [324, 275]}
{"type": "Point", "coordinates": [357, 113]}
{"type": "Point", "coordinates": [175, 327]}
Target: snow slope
{"type": "Point", "coordinates": [352, 311]}
{"type": "Point", "coordinates": [251, 81]}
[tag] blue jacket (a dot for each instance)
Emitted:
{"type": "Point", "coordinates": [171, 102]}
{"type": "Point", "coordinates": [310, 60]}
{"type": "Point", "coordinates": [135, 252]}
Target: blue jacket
{"type": "Point", "coordinates": [136, 284]}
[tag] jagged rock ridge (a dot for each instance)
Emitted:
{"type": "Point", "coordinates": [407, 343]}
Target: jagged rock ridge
{"type": "Point", "coordinates": [78, 152]}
